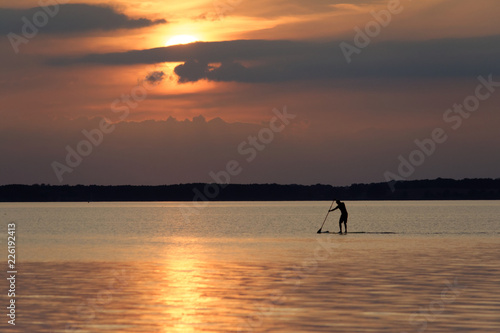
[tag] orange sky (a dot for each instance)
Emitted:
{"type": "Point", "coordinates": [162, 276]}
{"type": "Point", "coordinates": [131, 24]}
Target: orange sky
{"type": "Point", "coordinates": [427, 58]}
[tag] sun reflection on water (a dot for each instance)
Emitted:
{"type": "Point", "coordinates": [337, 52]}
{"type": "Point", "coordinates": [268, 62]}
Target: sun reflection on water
{"type": "Point", "coordinates": [367, 286]}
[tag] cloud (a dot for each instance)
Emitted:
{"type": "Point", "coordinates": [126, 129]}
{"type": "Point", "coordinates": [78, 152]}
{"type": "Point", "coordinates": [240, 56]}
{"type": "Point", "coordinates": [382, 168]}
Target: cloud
{"type": "Point", "coordinates": [275, 8]}
{"type": "Point", "coordinates": [191, 71]}
{"type": "Point", "coordinates": [210, 52]}
{"type": "Point", "coordinates": [281, 60]}
{"type": "Point", "coordinates": [182, 151]}
{"type": "Point", "coordinates": [194, 70]}
{"type": "Point", "coordinates": [155, 77]}
{"type": "Point", "coordinates": [168, 151]}
{"type": "Point", "coordinates": [70, 18]}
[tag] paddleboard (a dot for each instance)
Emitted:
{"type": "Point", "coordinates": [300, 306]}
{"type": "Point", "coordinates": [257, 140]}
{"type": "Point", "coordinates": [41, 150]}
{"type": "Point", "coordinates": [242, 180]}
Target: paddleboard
{"type": "Point", "coordinates": [360, 232]}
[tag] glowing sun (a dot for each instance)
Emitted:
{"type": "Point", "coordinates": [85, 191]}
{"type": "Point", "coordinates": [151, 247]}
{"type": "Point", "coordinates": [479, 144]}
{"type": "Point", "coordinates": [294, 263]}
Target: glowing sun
{"type": "Point", "coordinates": [181, 39]}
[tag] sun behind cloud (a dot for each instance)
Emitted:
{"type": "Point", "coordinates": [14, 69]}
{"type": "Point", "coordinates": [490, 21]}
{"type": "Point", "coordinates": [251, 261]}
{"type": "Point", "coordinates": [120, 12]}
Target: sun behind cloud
{"type": "Point", "coordinates": [181, 39]}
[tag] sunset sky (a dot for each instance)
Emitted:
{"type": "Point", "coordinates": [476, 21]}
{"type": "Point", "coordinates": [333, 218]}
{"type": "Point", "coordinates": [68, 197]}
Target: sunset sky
{"type": "Point", "coordinates": [266, 83]}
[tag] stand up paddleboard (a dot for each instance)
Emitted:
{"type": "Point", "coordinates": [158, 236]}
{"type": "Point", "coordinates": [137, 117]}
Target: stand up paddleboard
{"type": "Point", "coordinates": [359, 232]}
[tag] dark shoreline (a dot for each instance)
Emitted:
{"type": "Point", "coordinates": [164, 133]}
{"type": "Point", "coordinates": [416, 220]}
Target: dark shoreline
{"type": "Point", "coordinates": [437, 189]}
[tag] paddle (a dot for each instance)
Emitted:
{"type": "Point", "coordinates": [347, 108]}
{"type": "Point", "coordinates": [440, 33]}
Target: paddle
{"type": "Point", "coordinates": [319, 231]}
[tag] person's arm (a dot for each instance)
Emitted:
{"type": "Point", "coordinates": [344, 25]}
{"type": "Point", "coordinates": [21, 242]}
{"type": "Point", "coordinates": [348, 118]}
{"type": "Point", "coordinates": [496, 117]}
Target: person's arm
{"type": "Point", "coordinates": [331, 210]}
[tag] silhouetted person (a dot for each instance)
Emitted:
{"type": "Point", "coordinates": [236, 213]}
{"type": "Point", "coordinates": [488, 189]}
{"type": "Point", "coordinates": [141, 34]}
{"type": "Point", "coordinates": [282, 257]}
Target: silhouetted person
{"type": "Point", "coordinates": [343, 215]}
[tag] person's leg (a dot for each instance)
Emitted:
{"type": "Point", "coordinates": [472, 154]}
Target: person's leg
{"type": "Point", "coordinates": [345, 226]}
{"type": "Point", "coordinates": [340, 225]}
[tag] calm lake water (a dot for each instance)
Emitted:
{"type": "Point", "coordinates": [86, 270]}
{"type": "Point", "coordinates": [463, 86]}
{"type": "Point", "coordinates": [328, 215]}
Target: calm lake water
{"type": "Point", "coordinates": [253, 267]}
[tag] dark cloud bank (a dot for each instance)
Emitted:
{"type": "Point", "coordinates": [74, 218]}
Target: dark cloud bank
{"type": "Point", "coordinates": [185, 151]}
{"type": "Point", "coordinates": [70, 18]}
{"type": "Point", "coordinates": [281, 60]}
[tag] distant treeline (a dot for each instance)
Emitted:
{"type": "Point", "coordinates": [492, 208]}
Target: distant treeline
{"type": "Point", "coordinates": [438, 189]}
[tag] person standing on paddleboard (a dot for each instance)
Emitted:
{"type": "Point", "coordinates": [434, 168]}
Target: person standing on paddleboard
{"type": "Point", "coordinates": [343, 215]}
